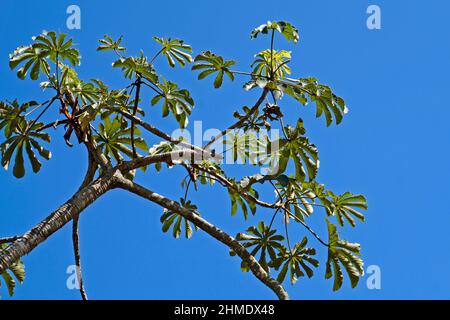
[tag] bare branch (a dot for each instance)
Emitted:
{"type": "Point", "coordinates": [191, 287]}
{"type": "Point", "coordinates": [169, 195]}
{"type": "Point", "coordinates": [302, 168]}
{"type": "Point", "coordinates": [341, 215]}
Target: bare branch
{"type": "Point", "coordinates": [212, 230]}
{"type": "Point", "coordinates": [8, 239]}
{"type": "Point", "coordinates": [145, 125]}
{"type": "Point", "coordinates": [92, 168]}
{"type": "Point", "coordinates": [168, 157]}
{"type": "Point", "coordinates": [76, 251]}
{"type": "Point", "coordinates": [163, 135]}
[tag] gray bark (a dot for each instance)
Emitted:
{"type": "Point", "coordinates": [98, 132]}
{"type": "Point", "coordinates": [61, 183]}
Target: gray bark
{"type": "Point", "coordinates": [212, 230]}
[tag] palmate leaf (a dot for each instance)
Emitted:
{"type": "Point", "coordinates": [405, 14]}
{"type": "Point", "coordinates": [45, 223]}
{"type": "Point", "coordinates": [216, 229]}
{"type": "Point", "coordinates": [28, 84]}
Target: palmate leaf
{"type": "Point", "coordinates": [297, 147]}
{"type": "Point", "coordinates": [328, 104]}
{"type": "Point", "coordinates": [266, 60]}
{"type": "Point", "coordinates": [46, 46]}
{"type": "Point", "coordinates": [265, 241]}
{"type": "Point", "coordinates": [285, 28]}
{"type": "Point", "coordinates": [237, 200]}
{"type": "Point", "coordinates": [342, 254]}
{"type": "Point", "coordinates": [26, 137]}
{"type": "Point", "coordinates": [253, 121]}
{"type": "Point", "coordinates": [298, 195]}
{"type": "Point", "coordinates": [113, 139]}
{"type": "Point", "coordinates": [343, 207]}
{"type": "Point", "coordinates": [210, 63]}
{"type": "Point", "coordinates": [108, 44]}
{"type": "Point", "coordinates": [86, 92]}
{"type": "Point", "coordinates": [176, 101]}
{"type": "Point", "coordinates": [297, 262]}
{"type": "Point", "coordinates": [34, 60]}
{"type": "Point", "coordinates": [243, 146]}
{"type": "Point", "coordinates": [11, 113]}
{"type": "Point", "coordinates": [134, 67]}
{"type": "Point", "coordinates": [175, 50]}
{"type": "Point", "coordinates": [17, 270]}
{"type": "Point", "coordinates": [103, 102]}
{"type": "Point", "coordinates": [178, 222]}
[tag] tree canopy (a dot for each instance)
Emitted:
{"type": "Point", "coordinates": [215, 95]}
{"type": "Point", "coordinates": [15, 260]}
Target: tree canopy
{"type": "Point", "coordinates": [111, 123]}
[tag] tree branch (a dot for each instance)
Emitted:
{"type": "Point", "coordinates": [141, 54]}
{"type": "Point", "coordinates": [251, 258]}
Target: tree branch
{"type": "Point", "coordinates": [241, 121]}
{"type": "Point", "coordinates": [8, 239]}
{"type": "Point", "coordinates": [53, 124]}
{"type": "Point", "coordinates": [145, 125]}
{"type": "Point", "coordinates": [92, 168]}
{"type": "Point", "coordinates": [157, 132]}
{"type": "Point", "coordinates": [57, 219]}
{"type": "Point", "coordinates": [136, 102]}
{"type": "Point", "coordinates": [167, 157]}
{"type": "Point", "coordinates": [76, 252]}
{"type": "Point", "coordinates": [277, 205]}
{"type": "Point", "coordinates": [215, 232]}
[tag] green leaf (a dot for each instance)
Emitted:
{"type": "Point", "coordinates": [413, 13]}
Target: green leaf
{"type": "Point", "coordinates": [243, 147]}
{"type": "Point", "coordinates": [175, 50]}
{"type": "Point", "coordinates": [210, 63]}
{"type": "Point", "coordinates": [177, 221]}
{"type": "Point", "coordinates": [48, 46]}
{"type": "Point", "coordinates": [343, 207]}
{"type": "Point", "coordinates": [17, 269]}
{"type": "Point", "coordinates": [266, 60]}
{"type": "Point", "coordinates": [12, 114]}
{"type": "Point", "coordinates": [108, 44]}
{"type": "Point", "coordinates": [177, 101]}
{"type": "Point", "coordinates": [114, 139]}
{"type": "Point", "coordinates": [35, 164]}
{"type": "Point", "coordinates": [136, 67]}
{"type": "Point", "coordinates": [296, 147]}
{"type": "Point", "coordinates": [298, 260]}
{"type": "Point", "coordinates": [328, 104]}
{"type": "Point", "coordinates": [265, 240]}
{"type": "Point", "coordinates": [237, 199]}
{"type": "Point", "coordinates": [25, 134]}
{"type": "Point", "coordinates": [285, 28]}
{"type": "Point", "coordinates": [342, 254]}
{"type": "Point", "coordinates": [219, 79]}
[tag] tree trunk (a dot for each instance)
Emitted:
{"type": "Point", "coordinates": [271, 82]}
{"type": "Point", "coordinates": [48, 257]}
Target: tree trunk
{"type": "Point", "coordinates": [56, 220]}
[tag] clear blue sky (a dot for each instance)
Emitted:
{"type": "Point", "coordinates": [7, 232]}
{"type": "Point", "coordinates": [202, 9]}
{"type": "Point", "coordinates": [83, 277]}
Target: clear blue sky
{"type": "Point", "coordinates": [393, 147]}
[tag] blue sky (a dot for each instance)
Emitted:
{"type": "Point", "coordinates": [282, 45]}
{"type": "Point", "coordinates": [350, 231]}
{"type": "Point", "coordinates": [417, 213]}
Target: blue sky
{"type": "Point", "coordinates": [393, 147]}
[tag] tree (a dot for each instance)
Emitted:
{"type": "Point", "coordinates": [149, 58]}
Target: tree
{"type": "Point", "coordinates": [110, 124]}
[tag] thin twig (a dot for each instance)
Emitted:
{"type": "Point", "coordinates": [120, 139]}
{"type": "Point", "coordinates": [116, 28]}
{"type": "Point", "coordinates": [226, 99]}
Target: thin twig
{"type": "Point", "coordinates": [271, 54]}
{"type": "Point", "coordinates": [286, 222]}
{"type": "Point", "coordinates": [136, 103]}
{"type": "Point", "coordinates": [37, 107]}
{"type": "Point", "coordinates": [76, 250]}
{"type": "Point", "coordinates": [307, 227]}
{"type": "Point", "coordinates": [53, 124]}
{"type": "Point", "coordinates": [298, 219]}
{"type": "Point", "coordinates": [9, 239]}
{"type": "Point", "coordinates": [241, 120]}
{"type": "Point", "coordinates": [41, 114]}
{"type": "Point", "coordinates": [156, 55]}
{"type": "Point", "coordinates": [152, 87]}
